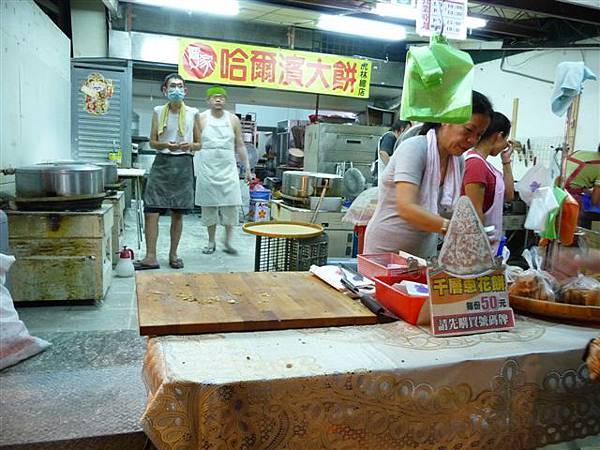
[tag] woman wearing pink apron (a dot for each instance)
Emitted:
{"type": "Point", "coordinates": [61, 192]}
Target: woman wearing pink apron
{"type": "Point", "coordinates": [486, 186]}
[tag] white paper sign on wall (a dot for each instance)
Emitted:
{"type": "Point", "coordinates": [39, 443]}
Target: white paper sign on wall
{"type": "Point", "coordinates": [445, 16]}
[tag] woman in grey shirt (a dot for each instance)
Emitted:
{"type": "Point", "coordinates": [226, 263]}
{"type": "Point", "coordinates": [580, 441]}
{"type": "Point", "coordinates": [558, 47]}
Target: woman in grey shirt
{"type": "Point", "coordinates": [421, 183]}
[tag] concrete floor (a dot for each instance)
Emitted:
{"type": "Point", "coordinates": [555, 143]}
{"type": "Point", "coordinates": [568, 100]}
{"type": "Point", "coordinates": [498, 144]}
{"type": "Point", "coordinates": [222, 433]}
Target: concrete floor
{"type": "Point", "coordinates": [86, 391]}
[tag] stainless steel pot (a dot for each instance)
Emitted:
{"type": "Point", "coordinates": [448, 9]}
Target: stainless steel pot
{"type": "Point", "coordinates": [306, 184]}
{"type": "Point", "coordinates": [53, 180]}
{"type": "Point", "coordinates": [109, 170]}
{"type": "Point", "coordinates": [295, 157]}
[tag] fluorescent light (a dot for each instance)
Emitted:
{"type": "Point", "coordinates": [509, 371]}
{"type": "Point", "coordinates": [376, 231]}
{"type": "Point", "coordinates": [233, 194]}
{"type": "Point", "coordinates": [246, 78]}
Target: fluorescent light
{"type": "Point", "coordinates": [399, 11]}
{"type": "Point", "coordinates": [475, 22]}
{"type": "Point", "coordinates": [409, 13]}
{"type": "Point", "coordinates": [362, 27]}
{"type": "Point", "coordinates": [218, 7]}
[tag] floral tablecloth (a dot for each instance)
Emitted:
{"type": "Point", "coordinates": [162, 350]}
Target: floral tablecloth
{"type": "Point", "coordinates": [390, 386]}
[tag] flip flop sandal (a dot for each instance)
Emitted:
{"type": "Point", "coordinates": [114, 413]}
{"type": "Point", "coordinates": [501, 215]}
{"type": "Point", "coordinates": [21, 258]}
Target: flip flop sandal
{"type": "Point", "coordinates": [139, 265]}
{"type": "Point", "coordinates": [230, 250]}
{"type": "Point", "coordinates": [209, 249]}
{"type": "Point", "coordinates": [176, 263]}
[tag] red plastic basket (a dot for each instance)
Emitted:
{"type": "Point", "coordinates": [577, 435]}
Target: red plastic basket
{"type": "Point", "coordinates": [404, 306]}
{"type": "Point", "coordinates": [375, 265]}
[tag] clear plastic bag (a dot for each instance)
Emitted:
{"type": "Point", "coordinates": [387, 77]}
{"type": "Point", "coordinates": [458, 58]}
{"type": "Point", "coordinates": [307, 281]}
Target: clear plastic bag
{"type": "Point", "coordinates": [533, 282]}
{"type": "Point", "coordinates": [362, 208]}
{"type": "Point", "coordinates": [580, 290]}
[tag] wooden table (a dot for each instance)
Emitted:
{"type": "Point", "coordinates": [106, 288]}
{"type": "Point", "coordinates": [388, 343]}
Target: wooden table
{"type": "Point", "coordinates": [191, 303]}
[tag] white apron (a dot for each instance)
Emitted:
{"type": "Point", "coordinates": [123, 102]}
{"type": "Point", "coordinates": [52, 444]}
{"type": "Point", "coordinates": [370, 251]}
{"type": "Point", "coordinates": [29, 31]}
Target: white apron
{"type": "Point", "coordinates": [493, 216]}
{"type": "Point", "coordinates": [217, 182]}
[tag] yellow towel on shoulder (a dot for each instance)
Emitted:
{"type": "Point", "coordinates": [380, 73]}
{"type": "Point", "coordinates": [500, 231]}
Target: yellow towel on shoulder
{"type": "Point", "coordinates": [164, 117]}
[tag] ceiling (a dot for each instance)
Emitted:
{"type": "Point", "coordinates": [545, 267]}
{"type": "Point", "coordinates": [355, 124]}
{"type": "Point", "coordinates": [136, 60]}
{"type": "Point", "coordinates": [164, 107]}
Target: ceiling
{"type": "Point", "coordinates": [515, 22]}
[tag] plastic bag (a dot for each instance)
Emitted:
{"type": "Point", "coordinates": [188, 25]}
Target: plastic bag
{"type": "Point", "coordinates": [568, 218]}
{"type": "Point", "coordinates": [363, 207]}
{"type": "Point", "coordinates": [16, 343]}
{"type": "Point", "coordinates": [581, 290]}
{"type": "Point", "coordinates": [438, 84]}
{"type": "Point", "coordinates": [536, 177]}
{"type": "Point", "coordinates": [542, 205]}
{"type": "Point", "coordinates": [533, 282]}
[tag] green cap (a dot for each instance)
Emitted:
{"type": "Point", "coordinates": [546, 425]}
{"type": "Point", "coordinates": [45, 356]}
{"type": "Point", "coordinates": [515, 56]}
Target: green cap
{"type": "Point", "coordinates": [215, 90]}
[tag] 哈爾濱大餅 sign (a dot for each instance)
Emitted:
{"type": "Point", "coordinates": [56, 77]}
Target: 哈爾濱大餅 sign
{"type": "Point", "coordinates": [271, 68]}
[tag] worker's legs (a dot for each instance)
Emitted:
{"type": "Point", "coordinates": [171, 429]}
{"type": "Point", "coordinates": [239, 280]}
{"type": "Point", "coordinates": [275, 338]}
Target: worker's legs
{"type": "Point", "coordinates": [210, 247]}
{"type": "Point", "coordinates": [151, 234]}
{"type": "Point", "coordinates": [176, 228]}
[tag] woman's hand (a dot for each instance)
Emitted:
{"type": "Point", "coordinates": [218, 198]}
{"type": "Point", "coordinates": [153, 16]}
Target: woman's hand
{"type": "Point", "coordinates": [506, 154]}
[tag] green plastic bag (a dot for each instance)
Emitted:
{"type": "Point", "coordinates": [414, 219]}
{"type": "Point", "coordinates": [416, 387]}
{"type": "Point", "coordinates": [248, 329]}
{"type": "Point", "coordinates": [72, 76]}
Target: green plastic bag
{"type": "Point", "coordinates": [438, 84]}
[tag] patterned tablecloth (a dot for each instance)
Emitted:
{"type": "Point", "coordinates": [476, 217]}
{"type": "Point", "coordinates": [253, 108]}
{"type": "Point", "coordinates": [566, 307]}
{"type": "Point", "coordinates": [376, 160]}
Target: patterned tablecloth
{"type": "Point", "coordinates": [389, 386]}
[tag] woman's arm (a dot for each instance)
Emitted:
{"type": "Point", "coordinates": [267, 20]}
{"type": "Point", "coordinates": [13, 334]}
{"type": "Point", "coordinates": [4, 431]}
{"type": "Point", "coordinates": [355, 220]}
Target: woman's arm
{"type": "Point", "coordinates": [509, 182]}
{"type": "Point", "coordinates": [407, 205]}
{"type": "Point", "coordinates": [596, 195]}
{"type": "Point", "coordinates": [476, 193]}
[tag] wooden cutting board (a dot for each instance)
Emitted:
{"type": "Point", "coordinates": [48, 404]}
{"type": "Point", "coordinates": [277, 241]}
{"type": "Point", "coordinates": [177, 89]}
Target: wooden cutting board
{"type": "Point", "coordinates": [192, 303]}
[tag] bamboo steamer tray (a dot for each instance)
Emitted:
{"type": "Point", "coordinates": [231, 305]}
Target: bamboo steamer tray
{"type": "Point", "coordinates": [283, 229]}
{"type": "Point", "coordinates": [590, 315]}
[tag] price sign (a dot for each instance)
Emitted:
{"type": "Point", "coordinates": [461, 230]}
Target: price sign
{"type": "Point", "coordinates": [447, 17]}
{"type": "Point", "coordinates": [469, 305]}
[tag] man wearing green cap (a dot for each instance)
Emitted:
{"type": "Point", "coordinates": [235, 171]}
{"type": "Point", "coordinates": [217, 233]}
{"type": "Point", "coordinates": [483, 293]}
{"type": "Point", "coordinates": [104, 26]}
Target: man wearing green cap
{"type": "Point", "coordinates": [217, 177]}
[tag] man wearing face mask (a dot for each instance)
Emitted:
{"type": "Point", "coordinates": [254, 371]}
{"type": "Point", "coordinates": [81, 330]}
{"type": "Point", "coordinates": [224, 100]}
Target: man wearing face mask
{"type": "Point", "coordinates": [175, 135]}
{"type": "Point", "coordinates": [217, 177]}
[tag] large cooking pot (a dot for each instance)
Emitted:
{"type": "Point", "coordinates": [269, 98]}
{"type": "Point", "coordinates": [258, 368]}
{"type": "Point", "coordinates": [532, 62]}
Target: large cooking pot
{"type": "Point", "coordinates": [109, 169]}
{"type": "Point", "coordinates": [54, 180]}
{"type": "Point", "coordinates": [295, 157]}
{"type": "Point", "coordinates": [301, 184]}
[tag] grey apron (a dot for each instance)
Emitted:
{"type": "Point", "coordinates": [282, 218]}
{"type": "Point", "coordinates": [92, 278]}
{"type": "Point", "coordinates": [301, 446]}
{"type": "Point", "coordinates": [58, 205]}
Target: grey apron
{"type": "Point", "coordinates": [170, 184]}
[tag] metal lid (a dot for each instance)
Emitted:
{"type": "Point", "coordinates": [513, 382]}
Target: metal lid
{"type": "Point", "coordinates": [59, 168]}
{"type": "Point", "coordinates": [300, 173]}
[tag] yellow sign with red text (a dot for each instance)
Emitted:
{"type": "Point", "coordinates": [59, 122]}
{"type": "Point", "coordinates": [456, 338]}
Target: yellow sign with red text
{"type": "Point", "coordinates": [273, 68]}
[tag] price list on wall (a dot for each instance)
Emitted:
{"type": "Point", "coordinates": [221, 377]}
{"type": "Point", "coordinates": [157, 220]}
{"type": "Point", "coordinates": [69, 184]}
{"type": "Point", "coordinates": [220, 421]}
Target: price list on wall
{"type": "Point", "coordinates": [447, 17]}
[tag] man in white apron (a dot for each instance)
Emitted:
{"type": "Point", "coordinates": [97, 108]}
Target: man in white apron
{"type": "Point", "coordinates": [217, 178]}
{"type": "Point", "coordinates": [385, 148]}
{"type": "Point", "coordinates": [175, 135]}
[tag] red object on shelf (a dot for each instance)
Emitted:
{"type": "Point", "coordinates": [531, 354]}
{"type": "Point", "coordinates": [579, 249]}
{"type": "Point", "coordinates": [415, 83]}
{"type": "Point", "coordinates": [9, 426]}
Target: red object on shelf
{"type": "Point", "coordinates": [360, 234]}
{"type": "Point", "coordinates": [376, 264]}
{"type": "Point", "coordinates": [406, 307]}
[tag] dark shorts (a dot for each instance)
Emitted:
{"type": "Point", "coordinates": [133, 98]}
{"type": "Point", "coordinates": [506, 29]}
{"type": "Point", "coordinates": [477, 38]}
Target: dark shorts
{"type": "Point", "coordinates": [153, 210]}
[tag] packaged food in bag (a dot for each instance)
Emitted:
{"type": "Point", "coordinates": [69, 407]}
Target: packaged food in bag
{"type": "Point", "coordinates": [580, 290]}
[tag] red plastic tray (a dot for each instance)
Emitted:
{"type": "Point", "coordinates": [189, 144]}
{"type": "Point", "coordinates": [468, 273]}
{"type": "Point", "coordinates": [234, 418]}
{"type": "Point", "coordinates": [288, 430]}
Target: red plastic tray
{"type": "Point", "coordinates": [404, 306]}
{"type": "Point", "coordinates": [375, 264]}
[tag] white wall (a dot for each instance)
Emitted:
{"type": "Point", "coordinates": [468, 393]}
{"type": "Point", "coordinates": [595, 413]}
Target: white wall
{"type": "Point", "coordinates": [88, 26]}
{"type": "Point", "coordinates": [35, 103]}
{"type": "Point", "coordinates": [535, 119]}
{"type": "Point", "coordinates": [268, 116]}
{"type": "Point", "coordinates": [147, 95]}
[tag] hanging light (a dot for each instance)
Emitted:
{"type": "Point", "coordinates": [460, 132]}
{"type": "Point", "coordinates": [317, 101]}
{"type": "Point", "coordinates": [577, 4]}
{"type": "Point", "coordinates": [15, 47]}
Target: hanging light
{"type": "Point", "coordinates": [362, 27]}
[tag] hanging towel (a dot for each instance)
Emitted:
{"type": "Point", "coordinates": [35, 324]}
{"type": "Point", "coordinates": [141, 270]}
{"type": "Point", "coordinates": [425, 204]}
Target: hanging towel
{"type": "Point", "coordinates": [430, 186]}
{"type": "Point", "coordinates": [164, 117]}
{"type": "Point", "coordinates": [568, 84]}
